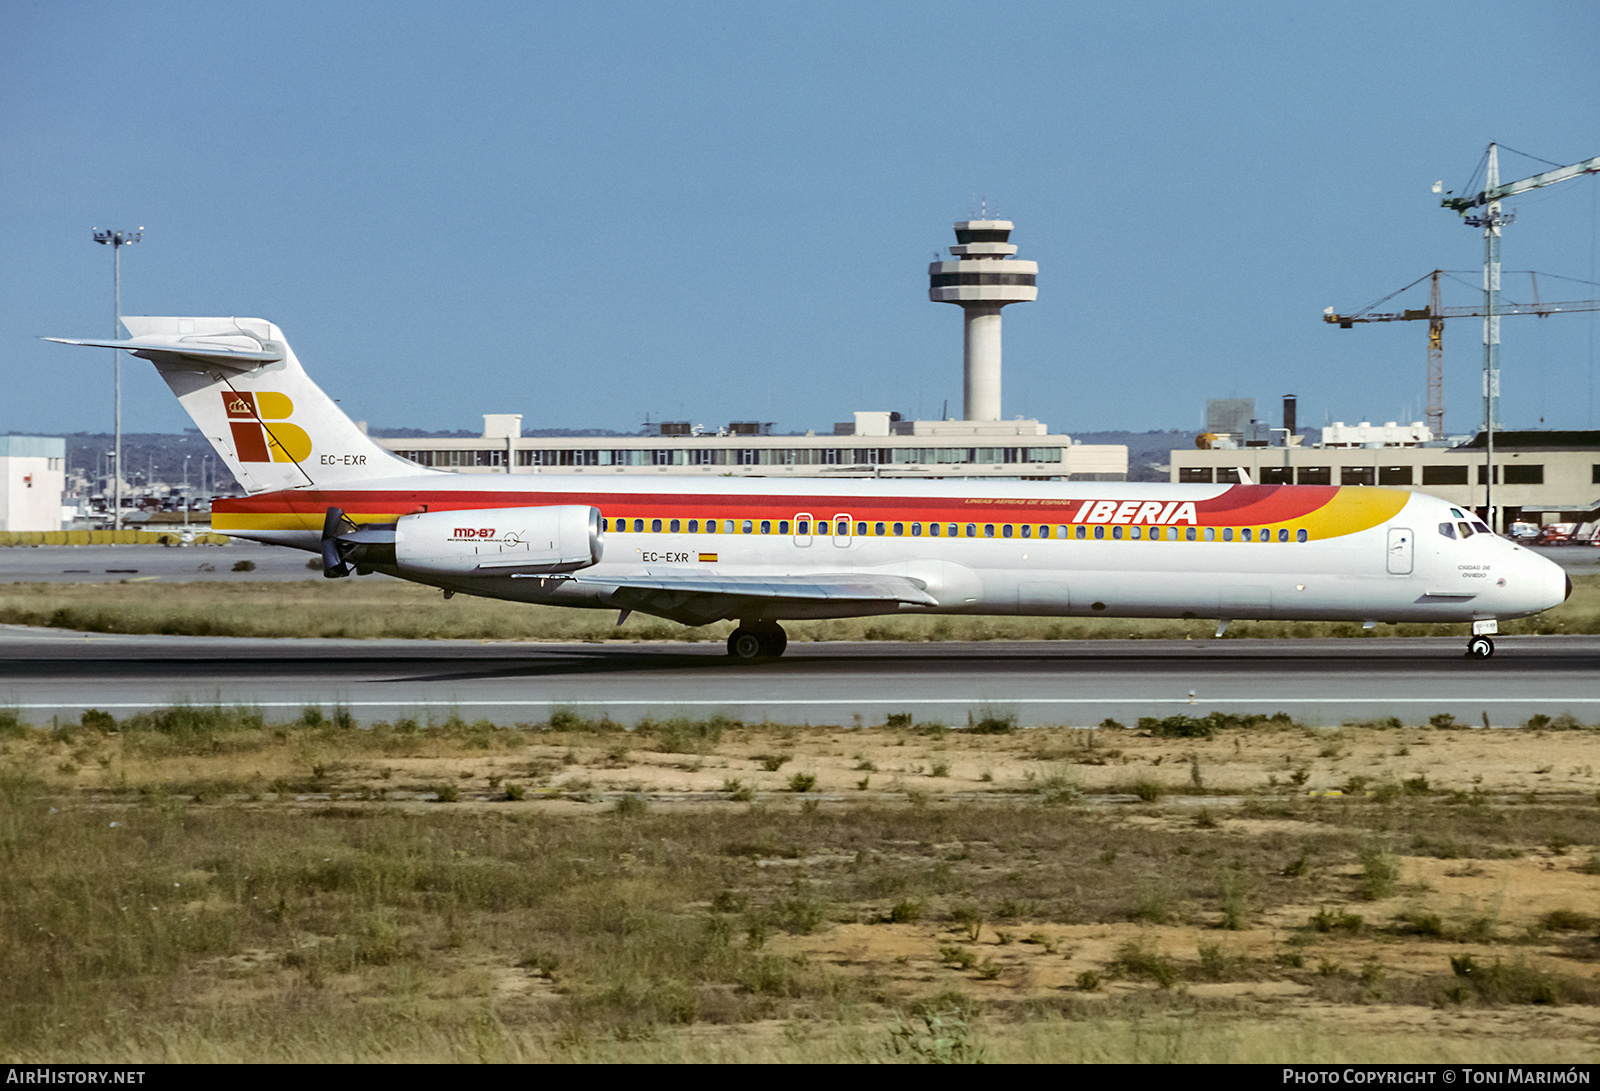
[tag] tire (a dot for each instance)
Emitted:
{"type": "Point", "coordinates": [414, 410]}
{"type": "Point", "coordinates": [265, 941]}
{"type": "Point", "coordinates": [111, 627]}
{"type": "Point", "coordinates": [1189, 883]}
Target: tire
{"type": "Point", "coordinates": [775, 640]}
{"type": "Point", "coordinates": [1480, 647]}
{"type": "Point", "coordinates": [746, 645]}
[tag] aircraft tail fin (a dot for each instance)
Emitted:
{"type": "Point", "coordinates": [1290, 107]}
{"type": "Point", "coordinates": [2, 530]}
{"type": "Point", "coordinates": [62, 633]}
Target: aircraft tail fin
{"type": "Point", "coordinates": [247, 393]}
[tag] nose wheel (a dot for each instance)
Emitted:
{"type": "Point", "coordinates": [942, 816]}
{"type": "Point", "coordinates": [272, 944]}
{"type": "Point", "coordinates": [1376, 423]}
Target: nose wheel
{"type": "Point", "coordinates": [1480, 647]}
{"type": "Point", "coordinates": [757, 640]}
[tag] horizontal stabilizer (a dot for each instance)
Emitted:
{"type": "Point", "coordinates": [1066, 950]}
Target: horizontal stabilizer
{"type": "Point", "coordinates": [215, 351]}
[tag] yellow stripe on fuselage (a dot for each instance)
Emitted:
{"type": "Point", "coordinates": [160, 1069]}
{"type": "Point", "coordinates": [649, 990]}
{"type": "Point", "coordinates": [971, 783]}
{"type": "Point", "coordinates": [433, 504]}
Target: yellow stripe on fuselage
{"type": "Point", "coordinates": [1352, 510]}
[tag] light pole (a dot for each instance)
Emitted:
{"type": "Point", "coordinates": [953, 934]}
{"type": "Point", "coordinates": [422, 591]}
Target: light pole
{"type": "Point", "coordinates": [117, 240]}
{"type": "Point", "coordinates": [186, 459]}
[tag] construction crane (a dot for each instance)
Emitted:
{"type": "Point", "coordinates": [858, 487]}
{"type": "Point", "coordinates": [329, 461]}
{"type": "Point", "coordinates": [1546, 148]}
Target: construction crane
{"type": "Point", "coordinates": [1435, 314]}
{"type": "Point", "coordinates": [1492, 219]}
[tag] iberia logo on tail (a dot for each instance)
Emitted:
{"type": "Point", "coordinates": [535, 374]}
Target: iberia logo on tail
{"type": "Point", "coordinates": [261, 429]}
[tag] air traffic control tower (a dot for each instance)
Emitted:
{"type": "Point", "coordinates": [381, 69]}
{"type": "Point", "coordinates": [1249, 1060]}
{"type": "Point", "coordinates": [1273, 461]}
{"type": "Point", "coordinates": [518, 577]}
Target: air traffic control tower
{"type": "Point", "coordinates": [983, 278]}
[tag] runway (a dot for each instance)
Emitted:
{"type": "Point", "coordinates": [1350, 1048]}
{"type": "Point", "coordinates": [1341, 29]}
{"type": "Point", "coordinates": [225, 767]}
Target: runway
{"type": "Point", "coordinates": [51, 673]}
{"type": "Point", "coordinates": [152, 563]}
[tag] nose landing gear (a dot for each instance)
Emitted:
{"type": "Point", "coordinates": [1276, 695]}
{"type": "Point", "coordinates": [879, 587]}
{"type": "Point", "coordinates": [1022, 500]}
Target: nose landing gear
{"type": "Point", "coordinates": [1480, 647]}
{"type": "Point", "coordinates": [757, 640]}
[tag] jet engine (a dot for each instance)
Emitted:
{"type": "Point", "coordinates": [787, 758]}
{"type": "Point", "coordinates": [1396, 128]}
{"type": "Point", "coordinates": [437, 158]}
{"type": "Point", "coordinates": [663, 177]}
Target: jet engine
{"type": "Point", "coordinates": [498, 541]}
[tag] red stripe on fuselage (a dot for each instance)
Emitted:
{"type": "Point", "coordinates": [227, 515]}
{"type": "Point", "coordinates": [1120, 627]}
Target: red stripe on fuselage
{"type": "Point", "coordinates": [1241, 505]}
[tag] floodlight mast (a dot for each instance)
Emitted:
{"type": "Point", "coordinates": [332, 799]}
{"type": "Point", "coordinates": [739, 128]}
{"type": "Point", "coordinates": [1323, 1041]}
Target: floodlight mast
{"type": "Point", "coordinates": [1492, 219]}
{"type": "Point", "coordinates": [117, 240]}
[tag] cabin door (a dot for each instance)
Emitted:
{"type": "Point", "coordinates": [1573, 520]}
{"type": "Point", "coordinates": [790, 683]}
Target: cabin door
{"type": "Point", "coordinates": [1400, 551]}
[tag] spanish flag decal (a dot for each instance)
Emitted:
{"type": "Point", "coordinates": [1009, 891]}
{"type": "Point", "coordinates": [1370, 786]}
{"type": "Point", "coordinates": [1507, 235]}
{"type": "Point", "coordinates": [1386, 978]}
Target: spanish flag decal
{"type": "Point", "coordinates": [709, 557]}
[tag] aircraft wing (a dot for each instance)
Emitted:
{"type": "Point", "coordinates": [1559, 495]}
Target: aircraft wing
{"type": "Point", "coordinates": [695, 599]}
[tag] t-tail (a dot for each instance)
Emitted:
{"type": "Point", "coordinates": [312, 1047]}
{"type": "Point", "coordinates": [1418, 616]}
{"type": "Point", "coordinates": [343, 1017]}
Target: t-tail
{"type": "Point", "coordinates": [248, 395]}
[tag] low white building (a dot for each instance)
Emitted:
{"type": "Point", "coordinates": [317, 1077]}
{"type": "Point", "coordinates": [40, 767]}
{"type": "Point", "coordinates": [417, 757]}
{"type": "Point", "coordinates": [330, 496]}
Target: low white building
{"type": "Point", "coordinates": [875, 444]}
{"type": "Point", "coordinates": [33, 478]}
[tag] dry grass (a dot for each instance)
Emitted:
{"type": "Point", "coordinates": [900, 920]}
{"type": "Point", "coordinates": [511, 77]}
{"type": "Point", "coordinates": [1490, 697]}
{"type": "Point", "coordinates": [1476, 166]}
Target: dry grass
{"type": "Point", "coordinates": [375, 606]}
{"type": "Point", "coordinates": [198, 884]}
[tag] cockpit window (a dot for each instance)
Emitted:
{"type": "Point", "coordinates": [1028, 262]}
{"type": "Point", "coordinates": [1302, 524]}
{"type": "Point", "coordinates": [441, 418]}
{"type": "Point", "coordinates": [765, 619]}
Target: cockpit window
{"type": "Point", "coordinates": [1447, 529]}
{"type": "Point", "coordinates": [1480, 528]}
{"type": "Point", "coordinates": [1457, 513]}
{"type": "Point", "coordinates": [1466, 531]}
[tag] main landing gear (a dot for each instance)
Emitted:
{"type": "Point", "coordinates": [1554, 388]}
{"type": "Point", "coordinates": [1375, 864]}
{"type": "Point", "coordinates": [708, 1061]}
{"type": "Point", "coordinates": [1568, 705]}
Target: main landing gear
{"type": "Point", "coordinates": [757, 640]}
{"type": "Point", "coordinates": [1480, 647]}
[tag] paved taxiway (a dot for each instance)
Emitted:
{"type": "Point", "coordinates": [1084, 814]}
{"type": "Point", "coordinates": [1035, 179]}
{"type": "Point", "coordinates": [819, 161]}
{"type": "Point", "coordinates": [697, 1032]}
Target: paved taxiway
{"type": "Point", "coordinates": [147, 563]}
{"type": "Point", "coordinates": [46, 672]}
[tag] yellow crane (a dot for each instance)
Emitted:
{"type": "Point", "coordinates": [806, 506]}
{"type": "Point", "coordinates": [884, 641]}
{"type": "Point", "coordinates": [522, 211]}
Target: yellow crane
{"type": "Point", "coordinates": [1435, 314]}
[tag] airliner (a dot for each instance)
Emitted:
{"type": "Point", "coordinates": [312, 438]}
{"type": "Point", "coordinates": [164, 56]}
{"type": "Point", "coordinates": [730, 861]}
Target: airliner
{"type": "Point", "coordinates": [761, 552]}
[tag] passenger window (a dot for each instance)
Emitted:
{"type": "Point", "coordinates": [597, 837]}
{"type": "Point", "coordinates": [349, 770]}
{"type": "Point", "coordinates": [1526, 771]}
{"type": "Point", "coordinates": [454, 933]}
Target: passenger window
{"type": "Point", "coordinates": [1266, 535]}
{"type": "Point", "coordinates": [988, 530]}
{"type": "Point", "coordinates": [655, 526]}
{"type": "Point", "coordinates": [1044, 531]}
{"type": "Point", "coordinates": [1188, 534]}
{"type": "Point", "coordinates": [1211, 534]}
{"type": "Point", "coordinates": [933, 530]}
{"type": "Point", "coordinates": [783, 526]}
{"type": "Point", "coordinates": [1027, 531]}
{"type": "Point", "coordinates": [916, 529]}
{"type": "Point", "coordinates": [1283, 534]}
{"type": "Point", "coordinates": [766, 526]}
{"type": "Point", "coordinates": [605, 524]}
{"type": "Point", "coordinates": [802, 526]}
{"type": "Point", "coordinates": [638, 526]}
{"type": "Point", "coordinates": [1172, 534]}
{"type": "Point", "coordinates": [748, 527]}
{"type": "Point", "coordinates": [972, 530]}
{"type": "Point", "coordinates": [711, 526]}
{"type": "Point", "coordinates": [1227, 534]}
{"type": "Point", "coordinates": [861, 528]}
{"type": "Point", "coordinates": [727, 526]}
{"type": "Point", "coordinates": [1099, 532]}
{"type": "Point", "coordinates": [899, 529]}
{"type": "Point", "coordinates": [1116, 532]}
{"type": "Point", "coordinates": [1135, 533]}
{"type": "Point", "coordinates": [694, 526]}
{"type": "Point", "coordinates": [673, 526]}
{"type": "Point", "coordinates": [1005, 531]}
{"type": "Point", "coordinates": [952, 530]}
{"type": "Point", "coordinates": [842, 530]}
{"type": "Point", "coordinates": [1077, 532]}
{"type": "Point", "coordinates": [877, 529]}
{"type": "Point", "coordinates": [1300, 535]}
{"type": "Point", "coordinates": [1244, 535]}
{"type": "Point", "coordinates": [1061, 532]}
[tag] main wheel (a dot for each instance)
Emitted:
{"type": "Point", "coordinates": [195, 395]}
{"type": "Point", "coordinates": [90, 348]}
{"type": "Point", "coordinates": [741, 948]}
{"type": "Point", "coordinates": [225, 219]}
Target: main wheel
{"type": "Point", "coordinates": [1480, 647]}
{"type": "Point", "coordinates": [746, 645]}
{"type": "Point", "coordinates": [774, 639]}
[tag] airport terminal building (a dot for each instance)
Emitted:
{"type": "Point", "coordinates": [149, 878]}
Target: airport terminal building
{"type": "Point", "coordinates": [875, 444]}
{"type": "Point", "coordinates": [1539, 476]}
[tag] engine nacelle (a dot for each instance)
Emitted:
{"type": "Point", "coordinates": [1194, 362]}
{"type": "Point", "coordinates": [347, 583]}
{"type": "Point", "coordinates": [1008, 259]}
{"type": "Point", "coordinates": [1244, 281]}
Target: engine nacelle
{"type": "Point", "coordinates": [498, 541]}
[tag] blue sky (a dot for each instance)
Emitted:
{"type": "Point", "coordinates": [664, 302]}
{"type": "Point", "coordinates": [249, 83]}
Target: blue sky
{"type": "Point", "coordinates": [725, 211]}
